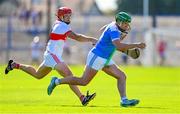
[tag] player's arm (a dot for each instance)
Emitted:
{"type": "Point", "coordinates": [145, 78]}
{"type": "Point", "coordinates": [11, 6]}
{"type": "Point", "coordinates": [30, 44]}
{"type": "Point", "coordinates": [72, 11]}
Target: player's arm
{"type": "Point", "coordinates": [103, 28]}
{"type": "Point", "coordinates": [123, 47]}
{"type": "Point", "coordinates": [81, 37]}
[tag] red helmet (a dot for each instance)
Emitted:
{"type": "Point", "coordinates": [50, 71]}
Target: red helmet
{"type": "Point", "coordinates": [63, 10]}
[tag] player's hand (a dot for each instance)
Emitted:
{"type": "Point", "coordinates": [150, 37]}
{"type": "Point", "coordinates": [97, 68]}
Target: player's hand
{"type": "Point", "coordinates": [141, 45]}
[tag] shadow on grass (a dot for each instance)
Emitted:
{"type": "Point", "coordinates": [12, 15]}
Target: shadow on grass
{"type": "Point", "coordinates": [98, 106]}
{"type": "Point", "coordinates": [145, 107]}
{"type": "Point", "coordinates": [93, 106]}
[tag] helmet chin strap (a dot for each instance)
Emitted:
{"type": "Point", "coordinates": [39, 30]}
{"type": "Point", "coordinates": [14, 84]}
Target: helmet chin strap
{"type": "Point", "coordinates": [64, 21]}
{"type": "Point", "coordinates": [122, 30]}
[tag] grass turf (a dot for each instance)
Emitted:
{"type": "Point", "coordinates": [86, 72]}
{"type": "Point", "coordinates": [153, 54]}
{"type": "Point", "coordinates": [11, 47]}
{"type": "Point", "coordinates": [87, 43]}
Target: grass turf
{"type": "Point", "coordinates": [158, 89]}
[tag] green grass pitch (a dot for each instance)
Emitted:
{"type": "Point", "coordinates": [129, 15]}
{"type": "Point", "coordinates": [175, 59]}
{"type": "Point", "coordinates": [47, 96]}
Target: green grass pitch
{"type": "Point", "coordinates": [158, 89]}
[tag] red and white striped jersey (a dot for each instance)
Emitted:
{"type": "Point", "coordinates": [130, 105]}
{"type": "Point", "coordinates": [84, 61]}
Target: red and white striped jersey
{"type": "Point", "coordinates": [58, 37]}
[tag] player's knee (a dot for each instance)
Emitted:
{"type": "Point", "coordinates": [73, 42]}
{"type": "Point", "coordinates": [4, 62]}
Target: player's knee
{"type": "Point", "coordinates": [123, 76]}
{"type": "Point", "coordinates": [84, 82]}
{"type": "Point", "coordinates": [66, 73]}
{"type": "Point", "coordinates": [38, 76]}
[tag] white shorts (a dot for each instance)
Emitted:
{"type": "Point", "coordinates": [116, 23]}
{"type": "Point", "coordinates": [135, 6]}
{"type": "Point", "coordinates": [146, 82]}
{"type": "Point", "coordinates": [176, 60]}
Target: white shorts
{"type": "Point", "coordinates": [51, 60]}
{"type": "Point", "coordinates": [97, 62]}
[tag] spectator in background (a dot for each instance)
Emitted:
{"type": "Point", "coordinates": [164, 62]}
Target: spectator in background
{"type": "Point", "coordinates": [161, 51]}
{"type": "Point", "coordinates": [40, 15]}
{"type": "Point", "coordinates": [25, 15]}
{"type": "Point", "coordinates": [36, 48]}
{"type": "Point", "coordinates": [34, 16]}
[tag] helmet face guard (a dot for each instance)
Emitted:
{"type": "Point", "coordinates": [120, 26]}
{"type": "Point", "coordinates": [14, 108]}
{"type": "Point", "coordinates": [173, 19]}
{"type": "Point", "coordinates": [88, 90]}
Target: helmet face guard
{"type": "Point", "coordinates": [123, 17]}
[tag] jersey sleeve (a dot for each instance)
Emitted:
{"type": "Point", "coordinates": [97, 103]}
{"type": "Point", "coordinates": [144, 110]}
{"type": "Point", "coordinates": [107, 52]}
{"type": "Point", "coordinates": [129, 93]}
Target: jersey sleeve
{"type": "Point", "coordinates": [68, 29]}
{"type": "Point", "coordinates": [115, 35]}
{"type": "Point", "coordinates": [114, 32]}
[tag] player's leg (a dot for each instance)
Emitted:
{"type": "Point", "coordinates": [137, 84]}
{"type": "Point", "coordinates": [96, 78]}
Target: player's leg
{"type": "Point", "coordinates": [64, 71]}
{"type": "Point", "coordinates": [92, 67]}
{"type": "Point", "coordinates": [39, 73]}
{"type": "Point", "coordinates": [84, 80]}
{"type": "Point", "coordinates": [58, 64]}
{"type": "Point", "coordinates": [87, 76]}
{"type": "Point", "coordinates": [114, 71]}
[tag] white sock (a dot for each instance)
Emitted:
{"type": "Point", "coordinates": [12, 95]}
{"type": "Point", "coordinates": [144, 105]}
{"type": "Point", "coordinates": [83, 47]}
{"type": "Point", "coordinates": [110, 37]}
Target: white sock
{"type": "Point", "coordinates": [123, 98]}
{"type": "Point", "coordinates": [57, 81]}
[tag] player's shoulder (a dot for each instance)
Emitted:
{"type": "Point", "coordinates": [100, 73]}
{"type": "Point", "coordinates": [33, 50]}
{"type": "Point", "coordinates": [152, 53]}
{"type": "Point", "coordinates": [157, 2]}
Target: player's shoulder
{"type": "Point", "coordinates": [112, 26]}
{"type": "Point", "coordinates": [59, 25]}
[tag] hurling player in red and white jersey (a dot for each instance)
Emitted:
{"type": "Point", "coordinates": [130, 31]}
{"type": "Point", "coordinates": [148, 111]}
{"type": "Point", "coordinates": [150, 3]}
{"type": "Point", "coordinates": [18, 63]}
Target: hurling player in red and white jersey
{"type": "Point", "coordinates": [53, 54]}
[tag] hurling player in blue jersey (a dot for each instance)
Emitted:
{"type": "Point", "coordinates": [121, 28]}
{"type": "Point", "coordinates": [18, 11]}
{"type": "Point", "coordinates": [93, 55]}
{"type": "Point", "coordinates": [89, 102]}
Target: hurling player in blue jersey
{"type": "Point", "coordinates": [100, 58]}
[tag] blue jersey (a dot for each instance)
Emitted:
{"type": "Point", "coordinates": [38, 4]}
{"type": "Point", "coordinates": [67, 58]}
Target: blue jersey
{"type": "Point", "coordinates": [105, 47]}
